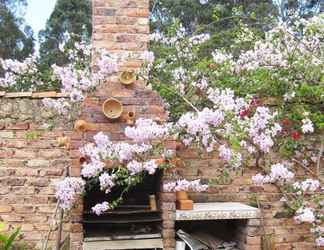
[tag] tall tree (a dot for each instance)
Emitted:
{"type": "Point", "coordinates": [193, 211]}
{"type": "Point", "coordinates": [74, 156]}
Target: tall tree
{"type": "Point", "coordinates": [299, 8]}
{"type": "Point", "coordinates": [222, 19]}
{"type": "Point", "coordinates": [16, 38]}
{"type": "Point", "coordinates": [68, 16]}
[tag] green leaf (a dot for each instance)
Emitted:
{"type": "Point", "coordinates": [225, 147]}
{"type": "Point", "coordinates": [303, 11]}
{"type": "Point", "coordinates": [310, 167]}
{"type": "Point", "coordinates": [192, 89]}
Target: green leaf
{"type": "Point", "coordinates": [3, 238]}
{"type": "Point", "coordinates": [11, 239]}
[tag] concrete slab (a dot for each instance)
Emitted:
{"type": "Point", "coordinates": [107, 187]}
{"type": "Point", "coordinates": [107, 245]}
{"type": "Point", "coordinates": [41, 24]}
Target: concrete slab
{"type": "Point", "coordinates": [218, 211]}
{"type": "Point", "coordinates": [123, 244]}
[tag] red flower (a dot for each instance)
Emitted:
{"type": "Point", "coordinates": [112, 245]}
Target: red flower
{"type": "Point", "coordinates": [244, 113]}
{"type": "Point", "coordinates": [255, 102]}
{"type": "Point", "coordinates": [285, 122]}
{"type": "Point", "coordinates": [295, 135]}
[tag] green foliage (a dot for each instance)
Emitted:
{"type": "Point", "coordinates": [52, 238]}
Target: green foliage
{"type": "Point", "coordinates": [225, 178]}
{"type": "Point", "coordinates": [69, 16]}
{"type": "Point", "coordinates": [33, 135]}
{"type": "Point", "coordinates": [221, 19]}
{"type": "Point", "coordinates": [253, 200]}
{"type": "Point", "coordinates": [7, 241]}
{"type": "Point", "coordinates": [16, 38]}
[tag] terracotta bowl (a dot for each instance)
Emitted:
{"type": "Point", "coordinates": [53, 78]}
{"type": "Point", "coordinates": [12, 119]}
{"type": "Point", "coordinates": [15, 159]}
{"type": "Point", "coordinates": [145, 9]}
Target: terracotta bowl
{"type": "Point", "coordinates": [130, 119]}
{"type": "Point", "coordinates": [127, 77]}
{"type": "Point", "coordinates": [112, 108]}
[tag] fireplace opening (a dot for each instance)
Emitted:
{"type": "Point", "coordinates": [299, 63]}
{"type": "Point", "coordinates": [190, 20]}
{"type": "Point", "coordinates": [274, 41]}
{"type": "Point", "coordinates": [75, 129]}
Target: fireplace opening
{"type": "Point", "coordinates": [216, 234]}
{"type": "Point", "coordinates": [137, 218]}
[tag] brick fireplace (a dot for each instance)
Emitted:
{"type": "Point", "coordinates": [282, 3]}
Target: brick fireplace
{"type": "Point", "coordinates": [30, 159]}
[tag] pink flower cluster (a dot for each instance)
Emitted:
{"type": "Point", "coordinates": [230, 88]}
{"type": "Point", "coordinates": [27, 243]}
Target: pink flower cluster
{"type": "Point", "coordinates": [264, 54]}
{"type": "Point", "coordinates": [148, 57]}
{"type": "Point", "coordinates": [61, 106]}
{"type": "Point", "coordinates": [233, 158]}
{"type": "Point", "coordinates": [104, 149]}
{"type": "Point", "coordinates": [106, 182]}
{"type": "Point", "coordinates": [279, 173]}
{"type": "Point", "coordinates": [199, 39]}
{"type": "Point", "coordinates": [146, 130]}
{"type": "Point", "coordinates": [106, 64]}
{"type": "Point", "coordinates": [318, 231]}
{"type": "Point", "coordinates": [78, 81]}
{"type": "Point", "coordinates": [220, 57]}
{"type": "Point", "coordinates": [262, 129]}
{"type": "Point", "coordinates": [67, 191]}
{"type": "Point", "coordinates": [135, 167]}
{"type": "Point", "coordinates": [100, 208]}
{"type": "Point", "coordinates": [17, 72]}
{"type": "Point", "coordinates": [305, 214]}
{"type": "Point", "coordinates": [309, 185]}
{"type": "Point", "coordinates": [184, 185]}
{"type": "Point", "coordinates": [197, 126]}
{"type": "Point", "coordinates": [226, 119]}
{"type": "Point", "coordinates": [92, 169]}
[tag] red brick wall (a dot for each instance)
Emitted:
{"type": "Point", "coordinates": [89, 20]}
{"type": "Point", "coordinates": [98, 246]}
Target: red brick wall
{"type": "Point", "coordinates": [286, 234]}
{"type": "Point", "coordinates": [123, 26]}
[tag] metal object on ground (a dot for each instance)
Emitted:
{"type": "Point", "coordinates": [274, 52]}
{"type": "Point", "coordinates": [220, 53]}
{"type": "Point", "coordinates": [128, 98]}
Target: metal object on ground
{"type": "Point", "coordinates": [180, 245]}
{"type": "Point", "coordinates": [192, 243]}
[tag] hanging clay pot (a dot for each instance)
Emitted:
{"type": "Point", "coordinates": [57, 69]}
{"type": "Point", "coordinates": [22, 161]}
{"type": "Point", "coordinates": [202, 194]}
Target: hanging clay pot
{"type": "Point", "coordinates": [130, 119]}
{"type": "Point", "coordinates": [83, 126]}
{"type": "Point", "coordinates": [112, 108]}
{"type": "Point", "coordinates": [127, 77]}
{"type": "Point", "coordinates": [182, 195]}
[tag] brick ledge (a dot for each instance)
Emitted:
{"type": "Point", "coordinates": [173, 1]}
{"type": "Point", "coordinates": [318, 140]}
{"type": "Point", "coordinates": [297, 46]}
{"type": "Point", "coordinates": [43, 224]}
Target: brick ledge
{"type": "Point", "coordinates": [36, 95]}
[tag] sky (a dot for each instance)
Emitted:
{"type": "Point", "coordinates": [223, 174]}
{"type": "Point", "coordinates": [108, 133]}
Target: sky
{"type": "Point", "coordinates": [38, 11]}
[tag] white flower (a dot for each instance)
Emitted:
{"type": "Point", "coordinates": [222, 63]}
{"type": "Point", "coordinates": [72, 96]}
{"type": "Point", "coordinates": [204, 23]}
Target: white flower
{"type": "Point", "coordinates": [203, 1]}
{"type": "Point", "coordinates": [148, 57]}
{"type": "Point", "coordinates": [106, 182]}
{"type": "Point", "coordinates": [307, 126]}
{"type": "Point", "coordinates": [319, 241]}
{"type": "Point", "coordinates": [305, 215]}
{"type": "Point", "coordinates": [309, 185]}
{"type": "Point", "coordinates": [150, 166]}
{"type": "Point", "coordinates": [100, 208]}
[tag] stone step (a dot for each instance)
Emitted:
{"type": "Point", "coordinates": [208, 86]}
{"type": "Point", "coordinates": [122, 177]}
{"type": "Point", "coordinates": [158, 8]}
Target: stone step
{"type": "Point", "coordinates": [218, 211]}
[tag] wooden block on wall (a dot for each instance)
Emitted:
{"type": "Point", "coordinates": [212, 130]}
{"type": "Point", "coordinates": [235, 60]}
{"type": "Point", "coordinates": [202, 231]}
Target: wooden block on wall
{"type": "Point", "coordinates": [185, 205]}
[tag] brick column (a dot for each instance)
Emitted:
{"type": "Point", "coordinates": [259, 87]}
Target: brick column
{"type": "Point", "coordinates": [122, 28]}
{"type": "Point", "coordinates": [249, 235]}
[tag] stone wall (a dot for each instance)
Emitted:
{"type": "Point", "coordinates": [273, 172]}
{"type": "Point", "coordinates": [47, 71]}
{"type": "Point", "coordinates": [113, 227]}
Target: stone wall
{"type": "Point", "coordinates": [30, 162]}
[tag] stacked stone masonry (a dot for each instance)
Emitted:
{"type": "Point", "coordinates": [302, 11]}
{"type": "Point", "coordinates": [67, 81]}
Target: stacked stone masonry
{"type": "Point", "coordinates": [31, 161]}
